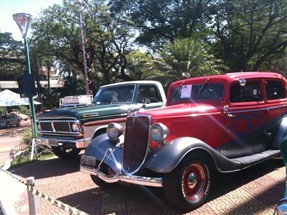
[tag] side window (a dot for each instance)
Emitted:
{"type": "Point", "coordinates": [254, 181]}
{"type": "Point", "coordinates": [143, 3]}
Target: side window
{"type": "Point", "coordinates": [251, 91]}
{"type": "Point", "coordinates": [275, 90]}
{"type": "Point", "coordinates": [148, 94]}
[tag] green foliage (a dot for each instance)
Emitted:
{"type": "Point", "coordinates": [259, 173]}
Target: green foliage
{"type": "Point", "coordinates": [3, 110]}
{"type": "Point", "coordinates": [73, 86]}
{"type": "Point", "coordinates": [250, 34]}
{"type": "Point", "coordinates": [186, 58]}
{"type": "Point", "coordinates": [162, 21]}
{"type": "Point", "coordinates": [43, 152]}
{"type": "Point", "coordinates": [24, 110]}
{"type": "Point", "coordinates": [140, 66]}
{"type": "Point", "coordinates": [50, 98]}
{"type": "Point", "coordinates": [57, 32]}
{"type": "Point", "coordinates": [11, 57]}
{"type": "Point", "coordinates": [26, 136]}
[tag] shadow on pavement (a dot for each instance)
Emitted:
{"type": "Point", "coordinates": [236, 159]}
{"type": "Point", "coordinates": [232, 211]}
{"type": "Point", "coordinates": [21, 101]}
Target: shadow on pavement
{"type": "Point", "coordinates": [227, 182]}
{"type": "Point", "coordinates": [121, 200]}
{"type": "Point", "coordinates": [142, 200]}
{"type": "Point", "coordinates": [48, 168]}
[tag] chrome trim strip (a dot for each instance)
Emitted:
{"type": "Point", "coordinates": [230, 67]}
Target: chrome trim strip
{"type": "Point", "coordinates": [58, 133]}
{"type": "Point", "coordinates": [131, 179]}
{"type": "Point", "coordinates": [79, 143]}
{"type": "Point", "coordinates": [257, 109]}
{"type": "Point", "coordinates": [55, 118]}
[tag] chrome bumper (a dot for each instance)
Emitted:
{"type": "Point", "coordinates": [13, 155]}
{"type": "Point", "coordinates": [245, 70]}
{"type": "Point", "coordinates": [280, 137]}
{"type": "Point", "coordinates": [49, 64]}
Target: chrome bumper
{"type": "Point", "coordinates": [131, 179]}
{"type": "Point", "coordinates": [78, 143]}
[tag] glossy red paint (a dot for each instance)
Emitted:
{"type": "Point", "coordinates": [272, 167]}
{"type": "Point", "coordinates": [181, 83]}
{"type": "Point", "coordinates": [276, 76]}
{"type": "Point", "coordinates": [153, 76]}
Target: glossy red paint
{"type": "Point", "coordinates": [221, 121]}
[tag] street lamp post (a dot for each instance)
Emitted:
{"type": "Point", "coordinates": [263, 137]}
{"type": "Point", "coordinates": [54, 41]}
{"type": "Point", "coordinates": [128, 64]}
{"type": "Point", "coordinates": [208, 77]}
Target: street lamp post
{"type": "Point", "coordinates": [23, 21]}
{"type": "Point", "coordinates": [80, 2]}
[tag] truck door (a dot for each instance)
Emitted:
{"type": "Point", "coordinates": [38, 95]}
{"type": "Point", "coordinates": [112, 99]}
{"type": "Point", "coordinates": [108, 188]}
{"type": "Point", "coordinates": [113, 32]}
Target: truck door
{"type": "Point", "coordinates": [149, 95]}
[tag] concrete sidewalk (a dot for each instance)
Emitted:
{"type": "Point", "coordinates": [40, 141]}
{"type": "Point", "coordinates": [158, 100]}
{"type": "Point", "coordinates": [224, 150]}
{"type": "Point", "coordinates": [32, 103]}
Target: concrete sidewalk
{"type": "Point", "coordinates": [10, 192]}
{"type": "Point", "coordinates": [10, 188]}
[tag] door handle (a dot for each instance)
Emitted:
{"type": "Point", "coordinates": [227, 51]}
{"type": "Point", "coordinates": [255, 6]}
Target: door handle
{"type": "Point", "coordinates": [231, 115]}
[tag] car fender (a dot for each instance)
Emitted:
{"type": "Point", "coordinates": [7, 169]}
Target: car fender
{"type": "Point", "coordinates": [166, 158]}
{"type": "Point", "coordinates": [106, 151]}
{"type": "Point", "coordinates": [280, 134]}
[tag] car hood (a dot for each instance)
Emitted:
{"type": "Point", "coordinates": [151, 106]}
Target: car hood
{"type": "Point", "coordinates": [182, 110]}
{"type": "Point", "coordinates": [93, 111]}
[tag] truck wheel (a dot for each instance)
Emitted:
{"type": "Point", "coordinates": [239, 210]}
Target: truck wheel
{"type": "Point", "coordinates": [188, 185]}
{"type": "Point", "coordinates": [66, 153]}
{"type": "Point", "coordinates": [102, 183]}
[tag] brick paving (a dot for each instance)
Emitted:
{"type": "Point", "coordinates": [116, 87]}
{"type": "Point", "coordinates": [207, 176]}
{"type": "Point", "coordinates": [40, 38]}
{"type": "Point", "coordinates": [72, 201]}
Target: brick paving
{"type": "Point", "coordinates": [256, 190]}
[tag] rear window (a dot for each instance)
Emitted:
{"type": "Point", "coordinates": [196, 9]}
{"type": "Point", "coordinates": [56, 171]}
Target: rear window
{"type": "Point", "coordinates": [275, 90]}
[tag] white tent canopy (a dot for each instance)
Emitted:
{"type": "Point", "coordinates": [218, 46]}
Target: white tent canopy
{"type": "Point", "coordinates": [9, 98]}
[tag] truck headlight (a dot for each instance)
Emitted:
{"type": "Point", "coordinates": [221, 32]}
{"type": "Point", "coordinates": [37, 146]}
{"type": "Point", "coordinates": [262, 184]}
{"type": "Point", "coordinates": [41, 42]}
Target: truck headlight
{"type": "Point", "coordinates": [158, 132]}
{"type": "Point", "coordinates": [75, 127]}
{"type": "Point", "coordinates": [114, 130]}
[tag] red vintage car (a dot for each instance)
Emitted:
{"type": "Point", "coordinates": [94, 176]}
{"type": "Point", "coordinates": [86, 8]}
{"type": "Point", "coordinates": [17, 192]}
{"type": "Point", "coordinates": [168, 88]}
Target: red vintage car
{"type": "Point", "coordinates": [221, 123]}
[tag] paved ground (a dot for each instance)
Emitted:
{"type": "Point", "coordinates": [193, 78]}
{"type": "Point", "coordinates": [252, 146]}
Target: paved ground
{"type": "Point", "coordinates": [254, 191]}
{"type": "Point", "coordinates": [10, 138]}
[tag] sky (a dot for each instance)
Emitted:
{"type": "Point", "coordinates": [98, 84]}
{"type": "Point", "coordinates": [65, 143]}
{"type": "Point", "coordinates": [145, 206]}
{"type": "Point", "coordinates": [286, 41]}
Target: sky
{"type": "Point", "coordinates": [10, 7]}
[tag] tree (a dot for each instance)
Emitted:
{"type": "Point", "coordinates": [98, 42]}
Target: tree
{"type": "Point", "coordinates": [141, 66]}
{"type": "Point", "coordinates": [251, 34]}
{"type": "Point", "coordinates": [162, 21]}
{"type": "Point", "coordinates": [12, 57]}
{"type": "Point", "coordinates": [106, 40]}
{"type": "Point", "coordinates": [186, 58]}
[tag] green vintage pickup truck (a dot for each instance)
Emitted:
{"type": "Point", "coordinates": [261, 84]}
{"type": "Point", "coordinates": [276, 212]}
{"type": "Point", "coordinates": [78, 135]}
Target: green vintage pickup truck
{"type": "Point", "coordinates": [68, 130]}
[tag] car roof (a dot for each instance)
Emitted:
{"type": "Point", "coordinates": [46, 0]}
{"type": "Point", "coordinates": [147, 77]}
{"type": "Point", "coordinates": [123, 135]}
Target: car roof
{"type": "Point", "coordinates": [229, 77]}
{"type": "Point", "coordinates": [132, 82]}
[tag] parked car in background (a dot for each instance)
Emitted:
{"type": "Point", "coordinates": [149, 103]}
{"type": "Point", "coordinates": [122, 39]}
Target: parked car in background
{"type": "Point", "coordinates": [21, 115]}
{"type": "Point", "coordinates": [222, 123]}
{"type": "Point", "coordinates": [9, 120]}
{"type": "Point", "coordinates": [71, 128]}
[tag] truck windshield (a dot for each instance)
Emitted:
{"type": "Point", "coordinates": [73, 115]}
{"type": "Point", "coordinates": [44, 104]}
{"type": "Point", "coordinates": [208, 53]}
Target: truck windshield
{"type": "Point", "coordinates": [114, 94]}
{"type": "Point", "coordinates": [196, 92]}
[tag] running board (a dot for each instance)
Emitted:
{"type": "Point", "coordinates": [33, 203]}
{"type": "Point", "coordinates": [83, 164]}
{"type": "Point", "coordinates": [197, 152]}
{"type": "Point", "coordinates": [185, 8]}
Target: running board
{"type": "Point", "coordinates": [250, 160]}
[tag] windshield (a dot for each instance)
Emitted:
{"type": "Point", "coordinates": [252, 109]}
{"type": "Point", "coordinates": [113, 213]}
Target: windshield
{"type": "Point", "coordinates": [196, 92]}
{"type": "Point", "coordinates": [114, 94]}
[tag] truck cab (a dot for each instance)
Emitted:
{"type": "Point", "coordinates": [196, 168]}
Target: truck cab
{"type": "Point", "coordinates": [71, 128]}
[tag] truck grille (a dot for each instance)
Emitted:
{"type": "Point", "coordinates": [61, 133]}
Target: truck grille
{"type": "Point", "coordinates": [136, 142]}
{"type": "Point", "coordinates": [55, 126]}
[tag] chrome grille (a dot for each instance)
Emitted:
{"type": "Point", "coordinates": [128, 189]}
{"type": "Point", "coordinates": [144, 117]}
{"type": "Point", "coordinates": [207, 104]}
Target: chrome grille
{"type": "Point", "coordinates": [136, 142]}
{"type": "Point", "coordinates": [46, 126]}
{"type": "Point", "coordinates": [62, 126]}
{"type": "Point", "coordinates": [56, 126]}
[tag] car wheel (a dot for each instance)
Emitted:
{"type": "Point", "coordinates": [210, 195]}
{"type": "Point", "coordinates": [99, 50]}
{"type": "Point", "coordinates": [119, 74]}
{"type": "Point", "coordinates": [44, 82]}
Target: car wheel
{"type": "Point", "coordinates": [66, 153]}
{"type": "Point", "coordinates": [188, 185]}
{"type": "Point", "coordinates": [102, 183]}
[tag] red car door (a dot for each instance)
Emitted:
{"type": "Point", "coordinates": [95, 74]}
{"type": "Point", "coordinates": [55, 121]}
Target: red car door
{"type": "Point", "coordinates": [244, 120]}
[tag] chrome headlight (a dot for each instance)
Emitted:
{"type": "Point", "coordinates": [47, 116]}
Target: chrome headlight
{"type": "Point", "coordinates": [114, 130]}
{"type": "Point", "coordinates": [75, 127]}
{"type": "Point", "coordinates": [158, 132]}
